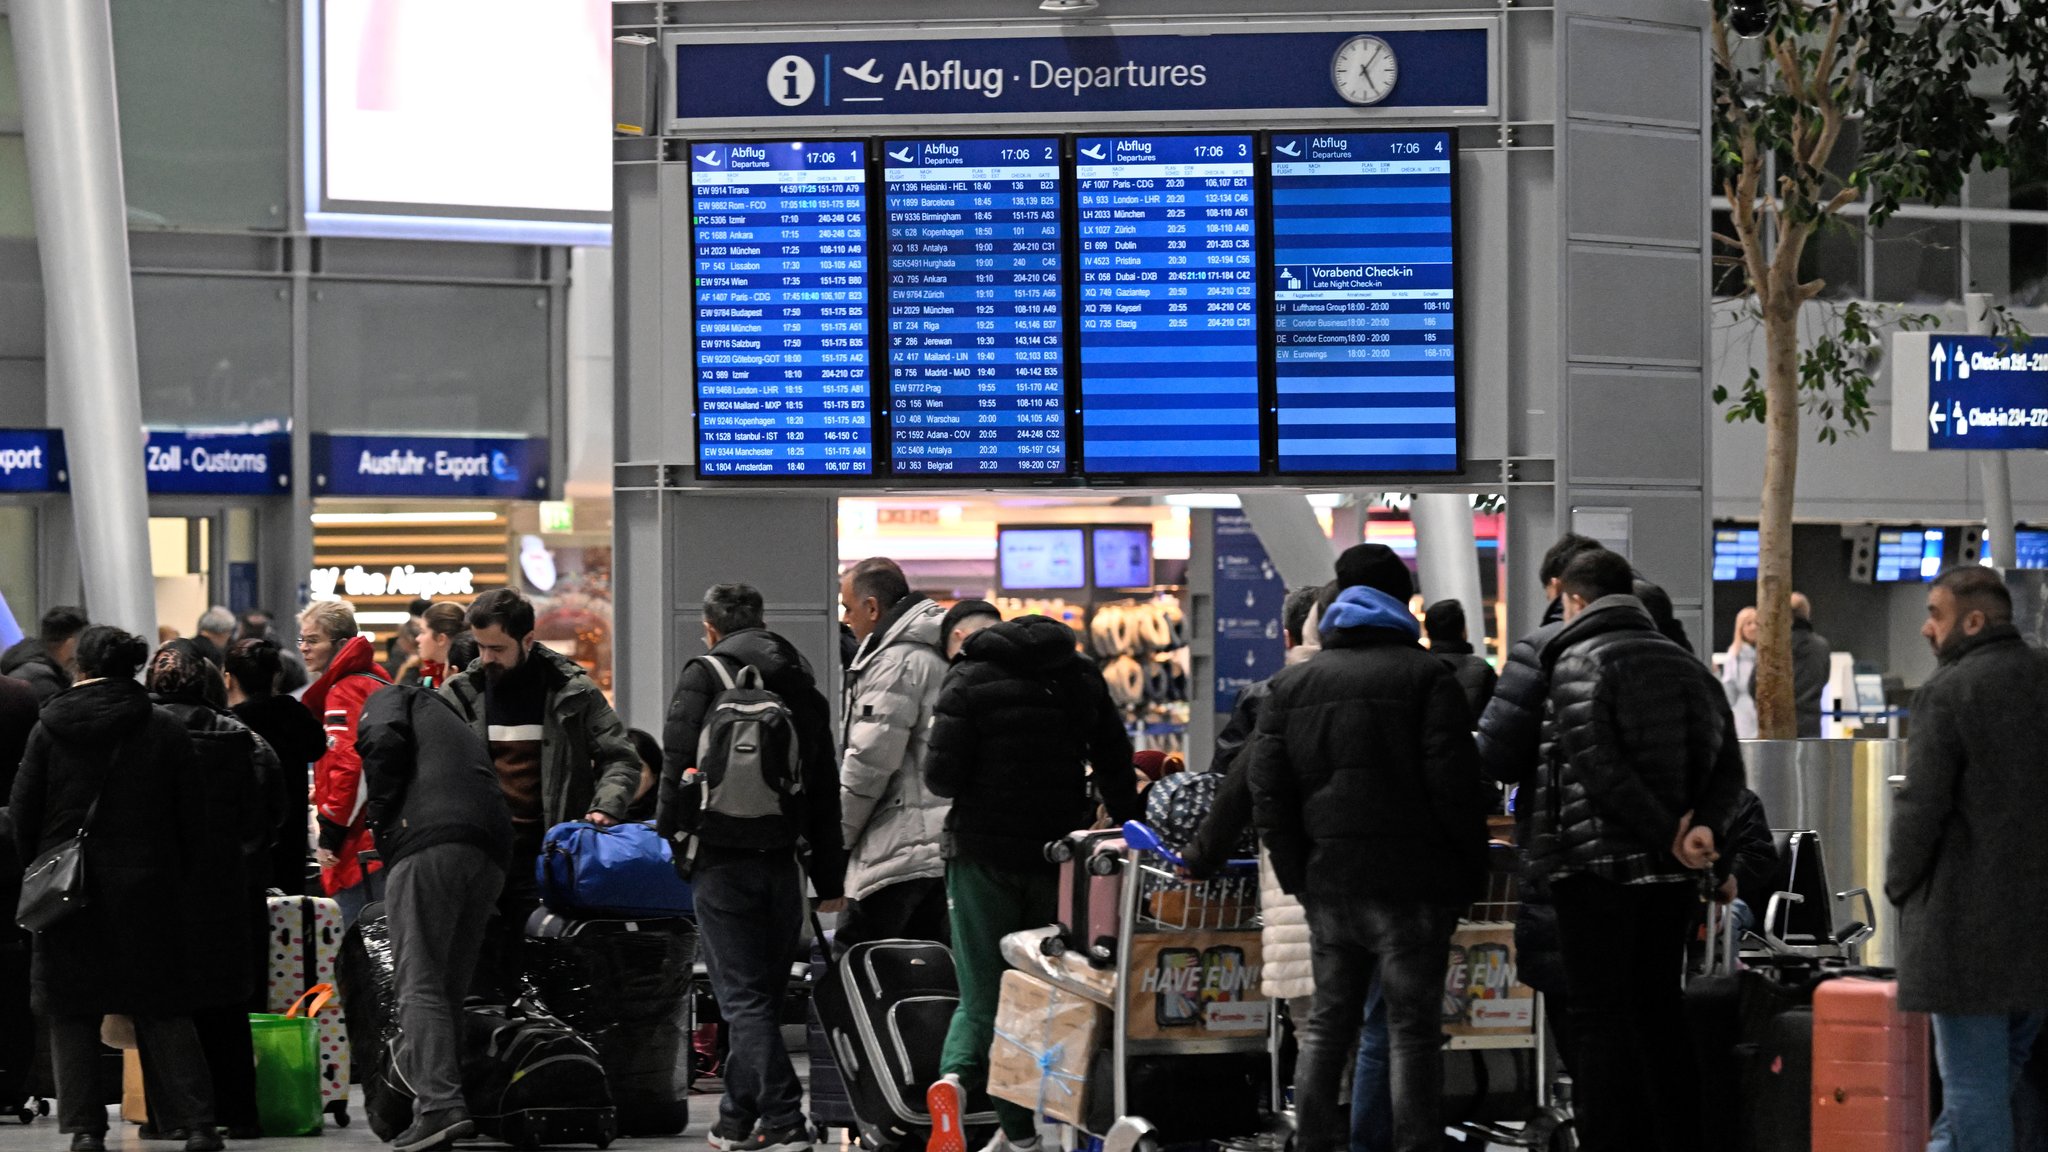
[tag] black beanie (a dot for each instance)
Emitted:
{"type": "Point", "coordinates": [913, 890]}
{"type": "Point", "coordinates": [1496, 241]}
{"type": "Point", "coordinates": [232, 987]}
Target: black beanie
{"type": "Point", "coordinates": [962, 611]}
{"type": "Point", "coordinates": [1375, 566]}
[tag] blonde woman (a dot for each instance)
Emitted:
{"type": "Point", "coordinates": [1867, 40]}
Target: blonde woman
{"type": "Point", "coordinates": [345, 671]}
{"type": "Point", "coordinates": [1738, 672]}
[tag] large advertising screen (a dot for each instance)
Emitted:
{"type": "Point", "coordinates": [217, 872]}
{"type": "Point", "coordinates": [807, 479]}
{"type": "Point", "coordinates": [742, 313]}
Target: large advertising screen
{"type": "Point", "coordinates": [781, 270]}
{"type": "Point", "coordinates": [976, 370]}
{"type": "Point", "coordinates": [1169, 307]}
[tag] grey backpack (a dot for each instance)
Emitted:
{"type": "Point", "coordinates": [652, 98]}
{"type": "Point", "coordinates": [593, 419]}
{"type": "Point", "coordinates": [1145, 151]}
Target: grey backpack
{"type": "Point", "coordinates": [748, 763]}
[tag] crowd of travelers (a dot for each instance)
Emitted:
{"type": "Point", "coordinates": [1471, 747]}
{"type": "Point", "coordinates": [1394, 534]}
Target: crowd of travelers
{"type": "Point", "coordinates": [426, 775]}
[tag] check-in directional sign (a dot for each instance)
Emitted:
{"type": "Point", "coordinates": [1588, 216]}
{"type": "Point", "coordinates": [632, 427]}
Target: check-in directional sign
{"type": "Point", "coordinates": [1968, 392]}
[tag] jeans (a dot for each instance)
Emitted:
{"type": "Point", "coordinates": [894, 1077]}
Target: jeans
{"type": "Point", "coordinates": [438, 903]}
{"type": "Point", "coordinates": [749, 917]}
{"type": "Point", "coordinates": [1405, 946]}
{"type": "Point", "coordinates": [1372, 1094]}
{"type": "Point", "coordinates": [1633, 1077]}
{"type": "Point", "coordinates": [352, 901]}
{"type": "Point", "coordinates": [1981, 1059]}
{"type": "Point", "coordinates": [909, 910]}
{"type": "Point", "coordinates": [174, 1075]}
{"type": "Point", "coordinates": [987, 904]}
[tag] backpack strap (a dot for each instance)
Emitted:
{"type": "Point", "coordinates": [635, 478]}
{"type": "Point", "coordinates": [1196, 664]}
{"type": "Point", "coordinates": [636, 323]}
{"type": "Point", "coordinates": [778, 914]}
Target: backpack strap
{"type": "Point", "coordinates": [718, 667]}
{"type": "Point", "coordinates": [749, 677]}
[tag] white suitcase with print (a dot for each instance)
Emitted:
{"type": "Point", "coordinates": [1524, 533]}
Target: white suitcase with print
{"type": "Point", "coordinates": [305, 937]}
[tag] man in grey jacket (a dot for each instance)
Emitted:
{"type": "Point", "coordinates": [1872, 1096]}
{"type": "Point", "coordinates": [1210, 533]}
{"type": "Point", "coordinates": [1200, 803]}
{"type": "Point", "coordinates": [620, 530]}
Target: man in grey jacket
{"type": "Point", "coordinates": [895, 876]}
{"type": "Point", "coordinates": [1964, 833]}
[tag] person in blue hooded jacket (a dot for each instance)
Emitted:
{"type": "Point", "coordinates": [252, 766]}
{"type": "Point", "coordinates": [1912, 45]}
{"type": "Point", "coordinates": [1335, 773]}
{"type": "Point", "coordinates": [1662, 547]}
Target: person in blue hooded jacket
{"type": "Point", "coordinates": [1367, 794]}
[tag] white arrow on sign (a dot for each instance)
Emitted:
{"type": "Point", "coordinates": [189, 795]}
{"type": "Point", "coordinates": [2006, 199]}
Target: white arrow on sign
{"type": "Point", "coordinates": [1940, 358]}
{"type": "Point", "coordinates": [1935, 418]}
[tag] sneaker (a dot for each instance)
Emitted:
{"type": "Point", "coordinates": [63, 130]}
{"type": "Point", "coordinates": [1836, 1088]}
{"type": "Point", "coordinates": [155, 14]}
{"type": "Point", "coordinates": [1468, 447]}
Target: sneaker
{"type": "Point", "coordinates": [1002, 1143]}
{"type": "Point", "coordinates": [946, 1103]}
{"type": "Point", "coordinates": [435, 1130]}
{"type": "Point", "coordinates": [89, 1142]}
{"type": "Point", "coordinates": [729, 1135]}
{"type": "Point", "coordinates": [205, 1139]}
{"type": "Point", "coordinates": [792, 1137]}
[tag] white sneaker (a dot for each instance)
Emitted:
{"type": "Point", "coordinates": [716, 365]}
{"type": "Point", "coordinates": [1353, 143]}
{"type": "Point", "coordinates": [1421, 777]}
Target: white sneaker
{"type": "Point", "coordinates": [1002, 1143]}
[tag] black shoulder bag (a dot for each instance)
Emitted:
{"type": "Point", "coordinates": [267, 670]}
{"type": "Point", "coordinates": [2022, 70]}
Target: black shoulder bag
{"type": "Point", "coordinates": [53, 888]}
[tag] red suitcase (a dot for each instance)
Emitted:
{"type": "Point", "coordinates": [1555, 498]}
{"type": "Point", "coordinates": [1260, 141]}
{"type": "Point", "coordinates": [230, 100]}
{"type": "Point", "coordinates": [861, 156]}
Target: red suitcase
{"type": "Point", "coordinates": [1870, 1069]}
{"type": "Point", "coordinates": [1091, 895]}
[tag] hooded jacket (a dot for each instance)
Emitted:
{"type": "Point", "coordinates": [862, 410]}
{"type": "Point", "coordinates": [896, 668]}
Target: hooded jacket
{"type": "Point", "coordinates": [1966, 846]}
{"type": "Point", "coordinates": [1364, 779]}
{"type": "Point", "coordinates": [129, 949]}
{"type": "Point", "coordinates": [29, 661]}
{"type": "Point", "coordinates": [587, 762]}
{"type": "Point", "coordinates": [1023, 727]}
{"type": "Point", "coordinates": [295, 736]}
{"type": "Point", "coordinates": [891, 823]}
{"type": "Point", "coordinates": [813, 817]}
{"type": "Point", "coordinates": [430, 778]}
{"type": "Point", "coordinates": [1639, 734]}
{"type": "Point", "coordinates": [337, 699]}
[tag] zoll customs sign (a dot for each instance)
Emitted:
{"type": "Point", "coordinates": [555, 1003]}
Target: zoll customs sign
{"type": "Point", "coordinates": [1968, 392]}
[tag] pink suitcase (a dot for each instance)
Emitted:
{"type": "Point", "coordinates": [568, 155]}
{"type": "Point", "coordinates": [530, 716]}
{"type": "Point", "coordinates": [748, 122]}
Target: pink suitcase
{"type": "Point", "coordinates": [305, 937]}
{"type": "Point", "coordinates": [1870, 1069]}
{"type": "Point", "coordinates": [1091, 895]}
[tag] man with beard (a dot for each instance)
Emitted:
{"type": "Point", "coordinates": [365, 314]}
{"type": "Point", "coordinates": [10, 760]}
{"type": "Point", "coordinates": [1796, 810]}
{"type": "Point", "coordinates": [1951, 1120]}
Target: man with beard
{"type": "Point", "coordinates": [561, 754]}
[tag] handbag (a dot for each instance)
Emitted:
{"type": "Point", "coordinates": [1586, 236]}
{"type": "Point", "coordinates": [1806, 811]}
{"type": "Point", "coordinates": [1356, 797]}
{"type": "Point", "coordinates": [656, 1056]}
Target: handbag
{"type": "Point", "coordinates": [53, 888]}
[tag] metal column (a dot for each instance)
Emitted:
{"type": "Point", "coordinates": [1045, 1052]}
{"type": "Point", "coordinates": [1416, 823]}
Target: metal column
{"type": "Point", "coordinates": [64, 53]}
{"type": "Point", "coordinates": [1446, 557]}
{"type": "Point", "coordinates": [1993, 467]}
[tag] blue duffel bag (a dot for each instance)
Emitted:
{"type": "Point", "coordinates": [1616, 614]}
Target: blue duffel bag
{"type": "Point", "coordinates": [624, 870]}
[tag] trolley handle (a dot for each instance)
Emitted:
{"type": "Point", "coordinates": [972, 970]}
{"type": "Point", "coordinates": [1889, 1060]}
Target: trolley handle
{"type": "Point", "coordinates": [1139, 835]}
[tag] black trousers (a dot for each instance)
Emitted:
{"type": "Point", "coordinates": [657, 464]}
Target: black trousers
{"type": "Point", "coordinates": [230, 1063]}
{"type": "Point", "coordinates": [174, 1073]}
{"type": "Point", "coordinates": [500, 973]}
{"type": "Point", "coordinates": [910, 910]}
{"type": "Point", "coordinates": [1634, 1082]}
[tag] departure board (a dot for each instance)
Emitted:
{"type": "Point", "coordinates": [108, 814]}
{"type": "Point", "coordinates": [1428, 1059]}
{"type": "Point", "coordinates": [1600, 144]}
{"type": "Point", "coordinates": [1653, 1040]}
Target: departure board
{"type": "Point", "coordinates": [780, 251]}
{"type": "Point", "coordinates": [976, 377]}
{"type": "Point", "coordinates": [1364, 287]}
{"type": "Point", "coordinates": [1169, 340]}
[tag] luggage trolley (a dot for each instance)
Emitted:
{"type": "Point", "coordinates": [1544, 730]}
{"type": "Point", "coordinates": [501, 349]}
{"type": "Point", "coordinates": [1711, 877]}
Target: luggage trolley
{"type": "Point", "coordinates": [1187, 984]}
{"type": "Point", "coordinates": [1490, 1023]}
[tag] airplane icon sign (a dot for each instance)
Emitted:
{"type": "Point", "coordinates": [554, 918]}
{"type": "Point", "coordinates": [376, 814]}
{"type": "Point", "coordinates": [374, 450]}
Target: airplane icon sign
{"type": "Point", "coordinates": [1094, 153]}
{"type": "Point", "coordinates": [902, 157]}
{"type": "Point", "coordinates": [865, 72]}
{"type": "Point", "coordinates": [710, 159]}
{"type": "Point", "coordinates": [1290, 149]}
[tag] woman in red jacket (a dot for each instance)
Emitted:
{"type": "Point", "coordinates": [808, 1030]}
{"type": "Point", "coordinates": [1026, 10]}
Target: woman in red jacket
{"type": "Point", "coordinates": [346, 671]}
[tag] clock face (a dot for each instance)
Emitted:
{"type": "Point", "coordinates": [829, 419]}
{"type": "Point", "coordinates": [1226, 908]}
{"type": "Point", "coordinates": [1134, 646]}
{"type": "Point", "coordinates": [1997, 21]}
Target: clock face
{"type": "Point", "coordinates": [1364, 70]}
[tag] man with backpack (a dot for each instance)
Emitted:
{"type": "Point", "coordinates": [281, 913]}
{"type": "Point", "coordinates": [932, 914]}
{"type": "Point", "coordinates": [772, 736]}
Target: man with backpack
{"type": "Point", "coordinates": [747, 777]}
{"type": "Point", "coordinates": [445, 837]}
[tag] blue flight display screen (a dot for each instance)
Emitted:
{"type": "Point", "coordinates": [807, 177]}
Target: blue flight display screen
{"type": "Point", "coordinates": [976, 368]}
{"type": "Point", "coordinates": [1364, 280]}
{"type": "Point", "coordinates": [781, 275]}
{"type": "Point", "coordinates": [1169, 338]}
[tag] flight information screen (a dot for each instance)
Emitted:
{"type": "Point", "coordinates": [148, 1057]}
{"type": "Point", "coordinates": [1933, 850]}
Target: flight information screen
{"type": "Point", "coordinates": [1169, 338]}
{"type": "Point", "coordinates": [976, 369]}
{"type": "Point", "coordinates": [1364, 282]}
{"type": "Point", "coordinates": [781, 309]}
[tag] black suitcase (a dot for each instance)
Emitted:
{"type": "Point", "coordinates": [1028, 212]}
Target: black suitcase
{"type": "Point", "coordinates": [531, 1080]}
{"type": "Point", "coordinates": [831, 1106]}
{"type": "Point", "coordinates": [885, 1007]}
{"type": "Point", "coordinates": [363, 971]}
{"type": "Point", "coordinates": [623, 985]}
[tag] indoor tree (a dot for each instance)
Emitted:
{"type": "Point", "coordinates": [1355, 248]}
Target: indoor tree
{"type": "Point", "coordinates": [1790, 76]}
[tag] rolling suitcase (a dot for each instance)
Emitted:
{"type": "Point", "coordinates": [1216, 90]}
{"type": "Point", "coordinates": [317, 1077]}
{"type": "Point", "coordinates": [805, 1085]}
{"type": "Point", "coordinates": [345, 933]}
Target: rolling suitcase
{"type": "Point", "coordinates": [305, 939]}
{"type": "Point", "coordinates": [831, 1106]}
{"type": "Point", "coordinates": [1870, 1069]}
{"type": "Point", "coordinates": [885, 1007]}
{"type": "Point", "coordinates": [1091, 895]}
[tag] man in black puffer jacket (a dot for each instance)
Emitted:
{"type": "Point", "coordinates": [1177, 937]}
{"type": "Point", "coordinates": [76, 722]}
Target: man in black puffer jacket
{"type": "Point", "coordinates": [1640, 780]}
{"type": "Point", "coordinates": [1020, 722]}
{"type": "Point", "coordinates": [1368, 800]}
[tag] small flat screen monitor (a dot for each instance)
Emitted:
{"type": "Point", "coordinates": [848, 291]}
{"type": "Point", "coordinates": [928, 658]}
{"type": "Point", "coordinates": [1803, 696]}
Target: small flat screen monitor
{"type": "Point", "coordinates": [1123, 557]}
{"type": "Point", "coordinates": [1735, 551]}
{"type": "Point", "coordinates": [1042, 559]}
{"type": "Point", "coordinates": [1908, 555]}
{"type": "Point", "coordinates": [2032, 550]}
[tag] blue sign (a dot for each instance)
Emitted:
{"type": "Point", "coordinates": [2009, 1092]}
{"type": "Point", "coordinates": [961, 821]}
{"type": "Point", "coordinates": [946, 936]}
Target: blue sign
{"type": "Point", "coordinates": [1249, 597]}
{"type": "Point", "coordinates": [976, 383]}
{"type": "Point", "coordinates": [430, 466]}
{"type": "Point", "coordinates": [1169, 283]}
{"type": "Point", "coordinates": [32, 460]}
{"type": "Point", "coordinates": [1364, 278]}
{"type": "Point", "coordinates": [1968, 392]}
{"type": "Point", "coordinates": [780, 245]}
{"type": "Point", "coordinates": [198, 463]}
{"type": "Point", "coordinates": [1070, 72]}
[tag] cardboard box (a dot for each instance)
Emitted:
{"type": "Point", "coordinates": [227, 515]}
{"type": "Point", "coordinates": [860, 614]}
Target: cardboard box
{"type": "Point", "coordinates": [1045, 1038]}
{"type": "Point", "coordinates": [1482, 996]}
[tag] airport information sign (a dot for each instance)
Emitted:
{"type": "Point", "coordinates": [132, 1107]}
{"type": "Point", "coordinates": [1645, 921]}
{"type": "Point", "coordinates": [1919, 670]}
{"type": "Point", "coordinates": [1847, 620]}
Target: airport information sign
{"type": "Point", "coordinates": [1364, 294]}
{"type": "Point", "coordinates": [1968, 392]}
{"type": "Point", "coordinates": [781, 309]}
{"type": "Point", "coordinates": [1169, 339]}
{"type": "Point", "coordinates": [976, 367]}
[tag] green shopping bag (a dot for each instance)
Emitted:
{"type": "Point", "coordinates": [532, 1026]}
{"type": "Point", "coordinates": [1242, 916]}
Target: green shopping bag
{"type": "Point", "coordinates": [288, 1066]}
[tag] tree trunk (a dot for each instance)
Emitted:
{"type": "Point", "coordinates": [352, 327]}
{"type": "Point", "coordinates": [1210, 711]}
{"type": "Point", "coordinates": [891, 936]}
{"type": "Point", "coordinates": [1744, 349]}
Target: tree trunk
{"type": "Point", "coordinates": [1777, 718]}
